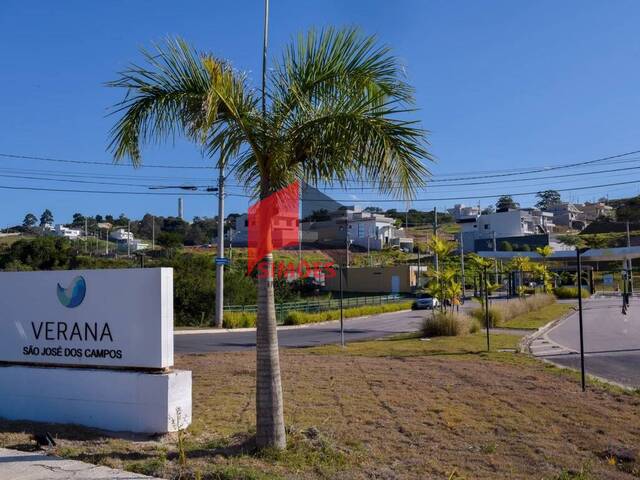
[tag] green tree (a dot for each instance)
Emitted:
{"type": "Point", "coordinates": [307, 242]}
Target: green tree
{"type": "Point", "coordinates": [336, 108]}
{"type": "Point", "coordinates": [30, 220]}
{"type": "Point", "coordinates": [78, 220]}
{"type": "Point", "coordinates": [506, 202]}
{"type": "Point", "coordinates": [46, 218]}
{"type": "Point", "coordinates": [548, 198]}
{"type": "Point", "coordinates": [170, 240]}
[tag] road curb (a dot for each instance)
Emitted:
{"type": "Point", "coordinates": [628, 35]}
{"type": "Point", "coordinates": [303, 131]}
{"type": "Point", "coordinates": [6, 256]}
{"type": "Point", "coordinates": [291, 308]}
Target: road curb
{"type": "Point", "coordinates": [280, 327]}
{"type": "Point", "coordinates": [525, 343]}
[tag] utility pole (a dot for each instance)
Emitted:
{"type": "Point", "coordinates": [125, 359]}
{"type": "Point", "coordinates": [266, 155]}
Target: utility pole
{"type": "Point", "coordinates": [629, 262]}
{"type": "Point", "coordinates": [461, 266]}
{"type": "Point", "coordinates": [579, 267]}
{"type": "Point", "coordinates": [220, 265]}
{"type": "Point", "coordinates": [495, 249]}
{"type": "Point", "coordinates": [341, 314]}
{"type": "Point", "coordinates": [106, 241]}
{"type": "Point", "coordinates": [435, 234]}
{"type": "Point", "coordinates": [346, 238]}
{"type": "Point", "coordinates": [153, 232]}
{"type": "Point", "coordinates": [129, 239]}
{"type": "Point", "coordinates": [418, 279]}
{"type": "Point", "coordinates": [485, 281]}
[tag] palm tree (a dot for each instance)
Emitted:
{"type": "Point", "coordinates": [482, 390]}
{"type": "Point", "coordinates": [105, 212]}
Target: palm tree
{"type": "Point", "coordinates": [338, 110]}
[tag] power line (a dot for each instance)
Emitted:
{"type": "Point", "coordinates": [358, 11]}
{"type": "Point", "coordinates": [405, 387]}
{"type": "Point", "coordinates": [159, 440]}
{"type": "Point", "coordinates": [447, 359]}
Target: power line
{"type": "Point", "coordinates": [496, 173]}
{"type": "Point", "coordinates": [530, 179]}
{"type": "Point", "coordinates": [106, 192]}
{"type": "Point", "coordinates": [26, 177]}
{"type": "Point", "coordinates": [475, 197]}
{"type": "Point", "coordinates": [86, 162]}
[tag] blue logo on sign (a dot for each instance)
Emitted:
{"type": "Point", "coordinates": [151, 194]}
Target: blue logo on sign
{"type": "Point", "coordinates": [73, 295]}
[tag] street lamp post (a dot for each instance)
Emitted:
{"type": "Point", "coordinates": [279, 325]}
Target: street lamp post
{"type": "Point", "coordinates": [579, 267]}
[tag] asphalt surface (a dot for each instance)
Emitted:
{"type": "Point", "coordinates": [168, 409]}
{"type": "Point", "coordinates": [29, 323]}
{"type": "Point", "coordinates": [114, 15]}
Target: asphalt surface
{"type": "Point", "coordinates": [363, 328]}
{"type": "Point", "coordinates": [611, 340]}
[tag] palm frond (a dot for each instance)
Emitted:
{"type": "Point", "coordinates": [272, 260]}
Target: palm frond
{"type": "Point", "coordinates": [179, 91]}
{"type": "Point", "coordinates": [339, 113]}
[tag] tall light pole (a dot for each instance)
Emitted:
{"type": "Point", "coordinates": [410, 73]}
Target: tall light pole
{"type": "Point", "coordinates": [435, 234]}
{"type": "Point", "coordinates": [629, 261]}
{"type": "Point", "coordinates": [265, 43]}
{"type": "Point", "coordinates": [462, 265]}
{"type": "Point", "coordinates": [220, 254]}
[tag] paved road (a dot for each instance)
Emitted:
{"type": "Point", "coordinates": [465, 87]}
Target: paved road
{"type": "Point", "coordinates": [376, 326]}
{"type": "Point", "coordinates": [611, 341]}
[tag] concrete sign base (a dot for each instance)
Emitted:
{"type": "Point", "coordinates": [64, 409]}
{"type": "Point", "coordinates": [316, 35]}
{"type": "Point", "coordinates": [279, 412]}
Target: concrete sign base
{"type": "Point", "coordinates": [106, 399]}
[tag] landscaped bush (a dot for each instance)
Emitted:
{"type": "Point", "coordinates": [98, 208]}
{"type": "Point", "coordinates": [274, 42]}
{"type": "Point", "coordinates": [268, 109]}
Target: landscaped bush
{"type": "Point", "coordinates": [300, 318]}
{"type": "Point", "coordinates": [239, 319]}
{"type": "Point", "coordinates": [501, 312]}
{"type": "Point", "coordinates": [448, 324]}
{"type": "Point", "coordinates": [570, 292]}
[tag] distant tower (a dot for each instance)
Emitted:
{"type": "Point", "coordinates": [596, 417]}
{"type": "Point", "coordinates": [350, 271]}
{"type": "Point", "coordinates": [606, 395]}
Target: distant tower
{"type": "Point", "coordinates": [180, 208]}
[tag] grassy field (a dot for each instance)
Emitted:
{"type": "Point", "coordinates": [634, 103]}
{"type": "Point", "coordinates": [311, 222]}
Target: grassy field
{"type": "Point", "coordinates": [539, 318]}
{"type": "Point", "coordinates": [393, 409]}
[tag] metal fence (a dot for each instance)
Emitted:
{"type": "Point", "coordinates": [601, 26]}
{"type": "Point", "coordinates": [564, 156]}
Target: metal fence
{"type": "Point", "coordinates": [282, 309]}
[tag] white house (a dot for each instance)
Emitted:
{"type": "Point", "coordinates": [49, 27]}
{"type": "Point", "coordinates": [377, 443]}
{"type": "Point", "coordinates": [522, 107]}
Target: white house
{"type": "Point", "coordinates": [121, 235]}
{"type": "Point", "coordinates": [505, 224]}
{"type": "Point", "coordinates": [135, 245]}
{"type": "Point", "coordinates": [62, 231]}
{"type": "Point", "coordinates": [459, 212]}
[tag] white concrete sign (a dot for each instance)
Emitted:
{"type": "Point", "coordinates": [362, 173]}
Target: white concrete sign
{"type": "Point", "coordinates": [110, 318]}
{"type": "Point", "coordinates": [114, 400]}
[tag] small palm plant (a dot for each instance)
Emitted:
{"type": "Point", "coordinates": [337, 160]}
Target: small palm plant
{"type": "Point", "coordinates": [520, 265]}
{"type": "Point", "coordinates": [543, 269]}
{"type": "Point", "coordinates": [336, 109]}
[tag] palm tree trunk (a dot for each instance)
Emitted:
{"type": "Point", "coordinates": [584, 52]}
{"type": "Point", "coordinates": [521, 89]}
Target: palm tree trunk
{"type": "Point", "coordinates": [269, 402]}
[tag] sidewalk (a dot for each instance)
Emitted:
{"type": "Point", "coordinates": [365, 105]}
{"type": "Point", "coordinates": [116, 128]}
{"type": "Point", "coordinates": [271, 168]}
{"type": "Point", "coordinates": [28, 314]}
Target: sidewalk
{"type": "Point", "coordinates": [15, 465]}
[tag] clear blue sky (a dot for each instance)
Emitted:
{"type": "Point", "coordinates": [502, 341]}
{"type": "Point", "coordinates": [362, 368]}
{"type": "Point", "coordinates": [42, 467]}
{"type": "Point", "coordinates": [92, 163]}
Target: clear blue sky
{"type": "Point", "coordinates": [500, 84]}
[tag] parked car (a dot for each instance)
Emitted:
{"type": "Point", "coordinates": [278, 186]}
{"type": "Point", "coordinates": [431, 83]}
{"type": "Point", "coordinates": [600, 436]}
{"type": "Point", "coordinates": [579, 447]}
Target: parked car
{"type": "Point", "coordinates": [425, 303]}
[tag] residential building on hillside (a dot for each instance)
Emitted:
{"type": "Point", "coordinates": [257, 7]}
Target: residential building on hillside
{"type": "Point", "coordinates": [121, 234]}
{"type": "Point", "coordinates": [568, 215]}
{"type": "Point", "coordinates": [459, 212]}
{"type": "Point", "coordinates": [367, 230]}
{"type": "Point", "coordinates": [61, 231]}
{"type": "Point", "coordinates": [594, 210]}
{"type": "Point", "coordinates": [126, 240]}
{"type": "Point", "coordinates": [134, 245]}
{"type": "Point", "coordinates": [519, 227]}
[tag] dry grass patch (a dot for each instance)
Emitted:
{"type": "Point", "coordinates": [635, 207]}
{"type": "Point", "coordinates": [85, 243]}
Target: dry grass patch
{"type": "Point", "coordinates": [393, 409]}
{"type": "Point", "coordinates": [502, 312]}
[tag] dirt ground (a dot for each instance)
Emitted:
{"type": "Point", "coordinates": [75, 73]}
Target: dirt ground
{"type": "Point", "coordinates": [444, 416]}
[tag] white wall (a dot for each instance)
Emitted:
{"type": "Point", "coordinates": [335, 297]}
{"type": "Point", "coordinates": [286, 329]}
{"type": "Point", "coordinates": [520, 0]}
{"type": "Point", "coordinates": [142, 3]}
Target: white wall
{"type": "Point", "coordinates": [106, 399]}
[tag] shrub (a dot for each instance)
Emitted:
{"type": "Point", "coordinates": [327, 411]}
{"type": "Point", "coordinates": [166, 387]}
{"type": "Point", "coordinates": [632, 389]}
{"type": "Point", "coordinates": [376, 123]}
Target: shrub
{"type": "Point", "coordinates": [570, 292]}
{"type": "Point", "coordinates": [495, 316]}
{"type": "Point", "coordinates": [502, 312]}
{"type": "Point", "coordinates": [300, 318]}
{"type": "Point", "coordinates": [448, 324]}
{"type": "Point", "coordinates": [239, 319]}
